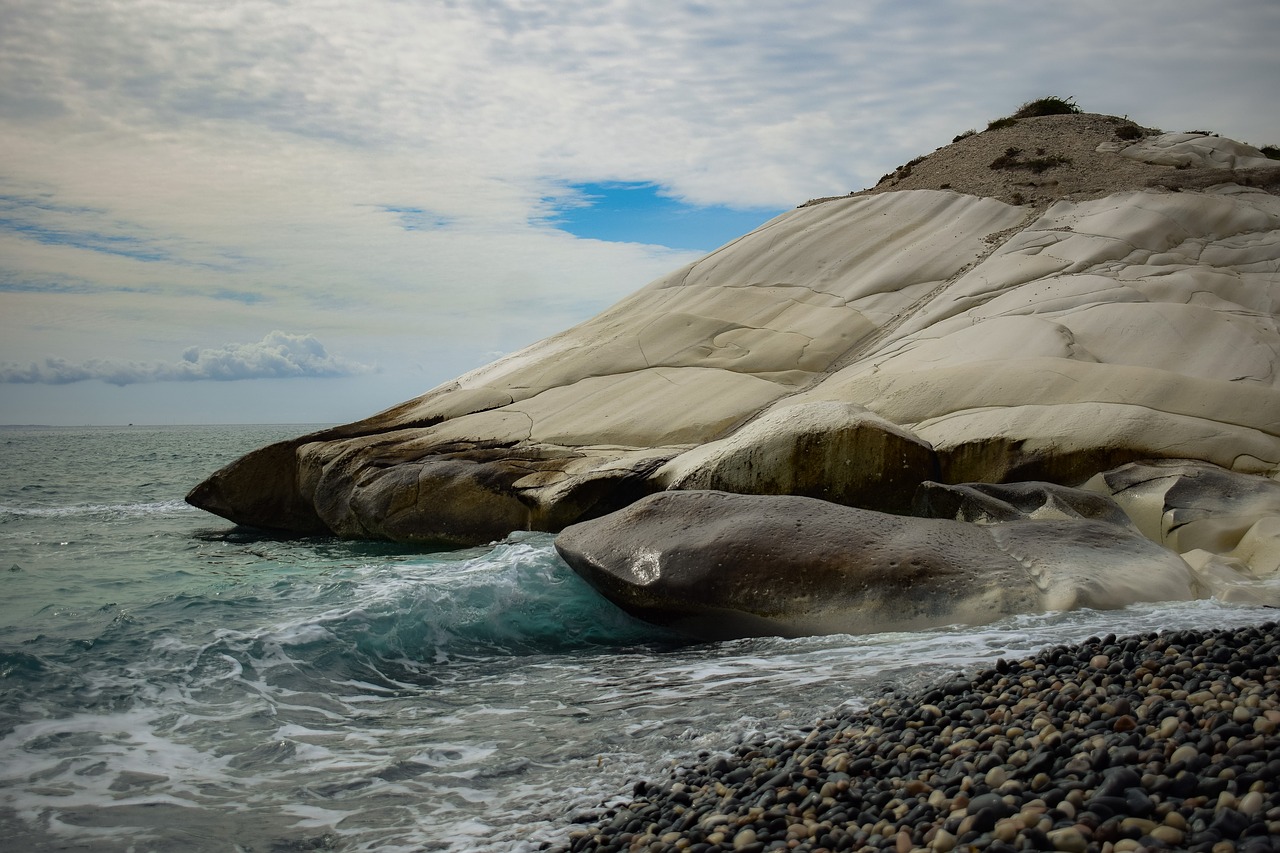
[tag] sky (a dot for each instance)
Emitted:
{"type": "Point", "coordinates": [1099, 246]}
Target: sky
{"type": "Point", "coordinates": [276, 211]}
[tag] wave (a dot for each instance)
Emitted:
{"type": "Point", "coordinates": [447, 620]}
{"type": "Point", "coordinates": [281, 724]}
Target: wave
{"type": "Point", "coordinates": [99, 511]}
{"type": "Point", "coordinates": [389, 622]}
{"type": "Point", "coordinates": [520, 598]}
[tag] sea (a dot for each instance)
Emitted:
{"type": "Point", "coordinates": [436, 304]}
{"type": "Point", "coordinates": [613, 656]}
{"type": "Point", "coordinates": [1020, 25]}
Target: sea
{"type": "Point", "coordinates": [170, 681]}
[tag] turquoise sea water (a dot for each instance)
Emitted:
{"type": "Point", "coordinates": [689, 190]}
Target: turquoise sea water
{"type": "Point", "coordinates": [169, 681]}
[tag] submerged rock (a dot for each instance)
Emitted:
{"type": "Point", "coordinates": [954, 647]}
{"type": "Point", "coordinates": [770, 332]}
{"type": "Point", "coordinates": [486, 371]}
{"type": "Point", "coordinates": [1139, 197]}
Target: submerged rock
{"type": "Point", "coordinates": [715, 565]}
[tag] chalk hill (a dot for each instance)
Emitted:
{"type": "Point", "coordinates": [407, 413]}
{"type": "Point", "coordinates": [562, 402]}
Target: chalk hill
{"type": "Point", "coordinates": [1043, 301]}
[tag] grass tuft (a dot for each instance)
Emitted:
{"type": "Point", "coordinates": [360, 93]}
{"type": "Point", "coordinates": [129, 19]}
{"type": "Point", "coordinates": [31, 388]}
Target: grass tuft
{"type": "Point", "coordinates": [1050, 106]}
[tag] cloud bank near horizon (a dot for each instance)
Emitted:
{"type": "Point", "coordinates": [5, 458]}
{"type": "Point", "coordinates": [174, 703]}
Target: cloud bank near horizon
{"type": "Point", "coordinates": [279, 355]}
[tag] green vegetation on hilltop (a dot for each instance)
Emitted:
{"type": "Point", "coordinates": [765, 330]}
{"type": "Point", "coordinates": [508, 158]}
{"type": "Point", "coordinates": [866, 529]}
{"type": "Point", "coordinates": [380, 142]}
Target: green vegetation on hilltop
{"type": "Point", "coordinates": [1051, 105]}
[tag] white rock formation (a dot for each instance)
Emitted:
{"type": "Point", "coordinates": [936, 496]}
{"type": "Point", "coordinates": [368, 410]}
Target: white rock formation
{"type": "Point", "coordinates": [926, 330]}
{"type": "Point", "coordinates": [1225, 525]}
{"type": "Point", "coordinates": [1140, 324]}
{"type": "Point", "coordinates": [1196, 150]}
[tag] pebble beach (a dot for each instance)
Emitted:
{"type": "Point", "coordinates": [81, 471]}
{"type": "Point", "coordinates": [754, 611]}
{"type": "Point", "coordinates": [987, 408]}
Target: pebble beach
{"type": "Point", "coordinates": [1161, 741]}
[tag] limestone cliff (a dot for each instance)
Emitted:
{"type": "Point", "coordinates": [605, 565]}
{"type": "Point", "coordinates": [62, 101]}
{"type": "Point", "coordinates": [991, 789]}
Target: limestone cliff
{"type": "Point", "coordinates": [1102, 294]}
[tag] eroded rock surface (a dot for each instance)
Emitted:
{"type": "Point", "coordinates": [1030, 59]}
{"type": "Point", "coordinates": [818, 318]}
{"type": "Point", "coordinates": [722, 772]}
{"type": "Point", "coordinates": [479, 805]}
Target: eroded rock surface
{"type": "Point", "coordinates": [853, 349]}
{"type": "Point", "coordinates": [989, 503]}
{"type": "Point", "coordinates": [717, 565]}
{"type": "Point", "coordinates": [1226, 525]}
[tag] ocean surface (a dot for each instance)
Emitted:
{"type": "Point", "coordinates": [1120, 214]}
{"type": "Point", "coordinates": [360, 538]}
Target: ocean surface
{"type": "Point", "coordinates": [171, 682]}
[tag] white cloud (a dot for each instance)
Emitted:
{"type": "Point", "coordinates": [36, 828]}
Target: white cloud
{"type": "Point", "coordinates": [378, 172]}
{"type": "Point", "coordinates": [277, 356]}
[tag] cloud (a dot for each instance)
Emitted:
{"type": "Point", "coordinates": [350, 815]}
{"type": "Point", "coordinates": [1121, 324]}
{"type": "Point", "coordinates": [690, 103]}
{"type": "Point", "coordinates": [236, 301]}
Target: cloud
{"type": "Point", "coordinates": [392, 176]}
{"type": "Point", "coordinates": [743, 103]}
{"type": "Point", "coordinates": [279, 355]}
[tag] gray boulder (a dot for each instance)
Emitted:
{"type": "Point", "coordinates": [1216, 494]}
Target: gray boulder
{"type": "Point", "coordinates": [716, 565]}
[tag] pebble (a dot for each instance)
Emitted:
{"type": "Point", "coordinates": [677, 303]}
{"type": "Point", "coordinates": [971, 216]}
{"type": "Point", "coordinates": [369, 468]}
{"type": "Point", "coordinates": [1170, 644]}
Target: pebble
{"type": "Point", "coordinates": [1069, 839]}
{"type": "Point", "coordinates": [1251, 803]}
{"type": "Point", "coordinates": [1156, 741]}
{"type": "Point", "coordinates": [1167, 834]}
{"type": "Point", "coordinates": [996, 777]}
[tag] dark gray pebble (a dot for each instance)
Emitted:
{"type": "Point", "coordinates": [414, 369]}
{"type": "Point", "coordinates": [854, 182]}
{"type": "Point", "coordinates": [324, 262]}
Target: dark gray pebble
{"type": "Point", "coordinates": [1094, 761]}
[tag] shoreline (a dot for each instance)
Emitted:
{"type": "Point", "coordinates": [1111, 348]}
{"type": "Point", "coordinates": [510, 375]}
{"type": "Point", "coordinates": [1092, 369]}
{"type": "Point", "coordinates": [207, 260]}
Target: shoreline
{"type": "Point", "coordinates": [1152, 741]}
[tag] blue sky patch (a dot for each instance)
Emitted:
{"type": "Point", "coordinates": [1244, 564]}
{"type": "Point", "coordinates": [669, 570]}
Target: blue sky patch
{"type": "Point", "coordinates": [639, 213]}
{"type": "Point", "coordinates": [41, 219]}
{"type": "Point", "coordinates": [45, 221]}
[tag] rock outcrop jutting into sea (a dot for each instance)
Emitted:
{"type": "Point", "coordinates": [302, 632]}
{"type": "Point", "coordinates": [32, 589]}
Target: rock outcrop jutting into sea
{"type": "Point", "coordinates": [1047, 300]}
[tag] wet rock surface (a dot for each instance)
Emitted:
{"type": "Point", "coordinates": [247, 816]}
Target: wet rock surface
{"type": "Point", "coordinates": [1151, 742]}
{"type": "Point", "coordinates": [716, 565]}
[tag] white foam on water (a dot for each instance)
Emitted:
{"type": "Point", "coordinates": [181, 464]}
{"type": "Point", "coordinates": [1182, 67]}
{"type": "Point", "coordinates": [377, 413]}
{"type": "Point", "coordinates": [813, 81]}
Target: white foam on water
{"type": "Point", "coordinates": [85, 763]}
{"type": "Point", "coordinates": [315, 817]}
{"type": "Point", "coordinates": [100, 511]}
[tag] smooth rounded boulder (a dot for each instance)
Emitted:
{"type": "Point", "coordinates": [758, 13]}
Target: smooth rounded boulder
{"type": "Point", "coordinates": [716, 565]}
